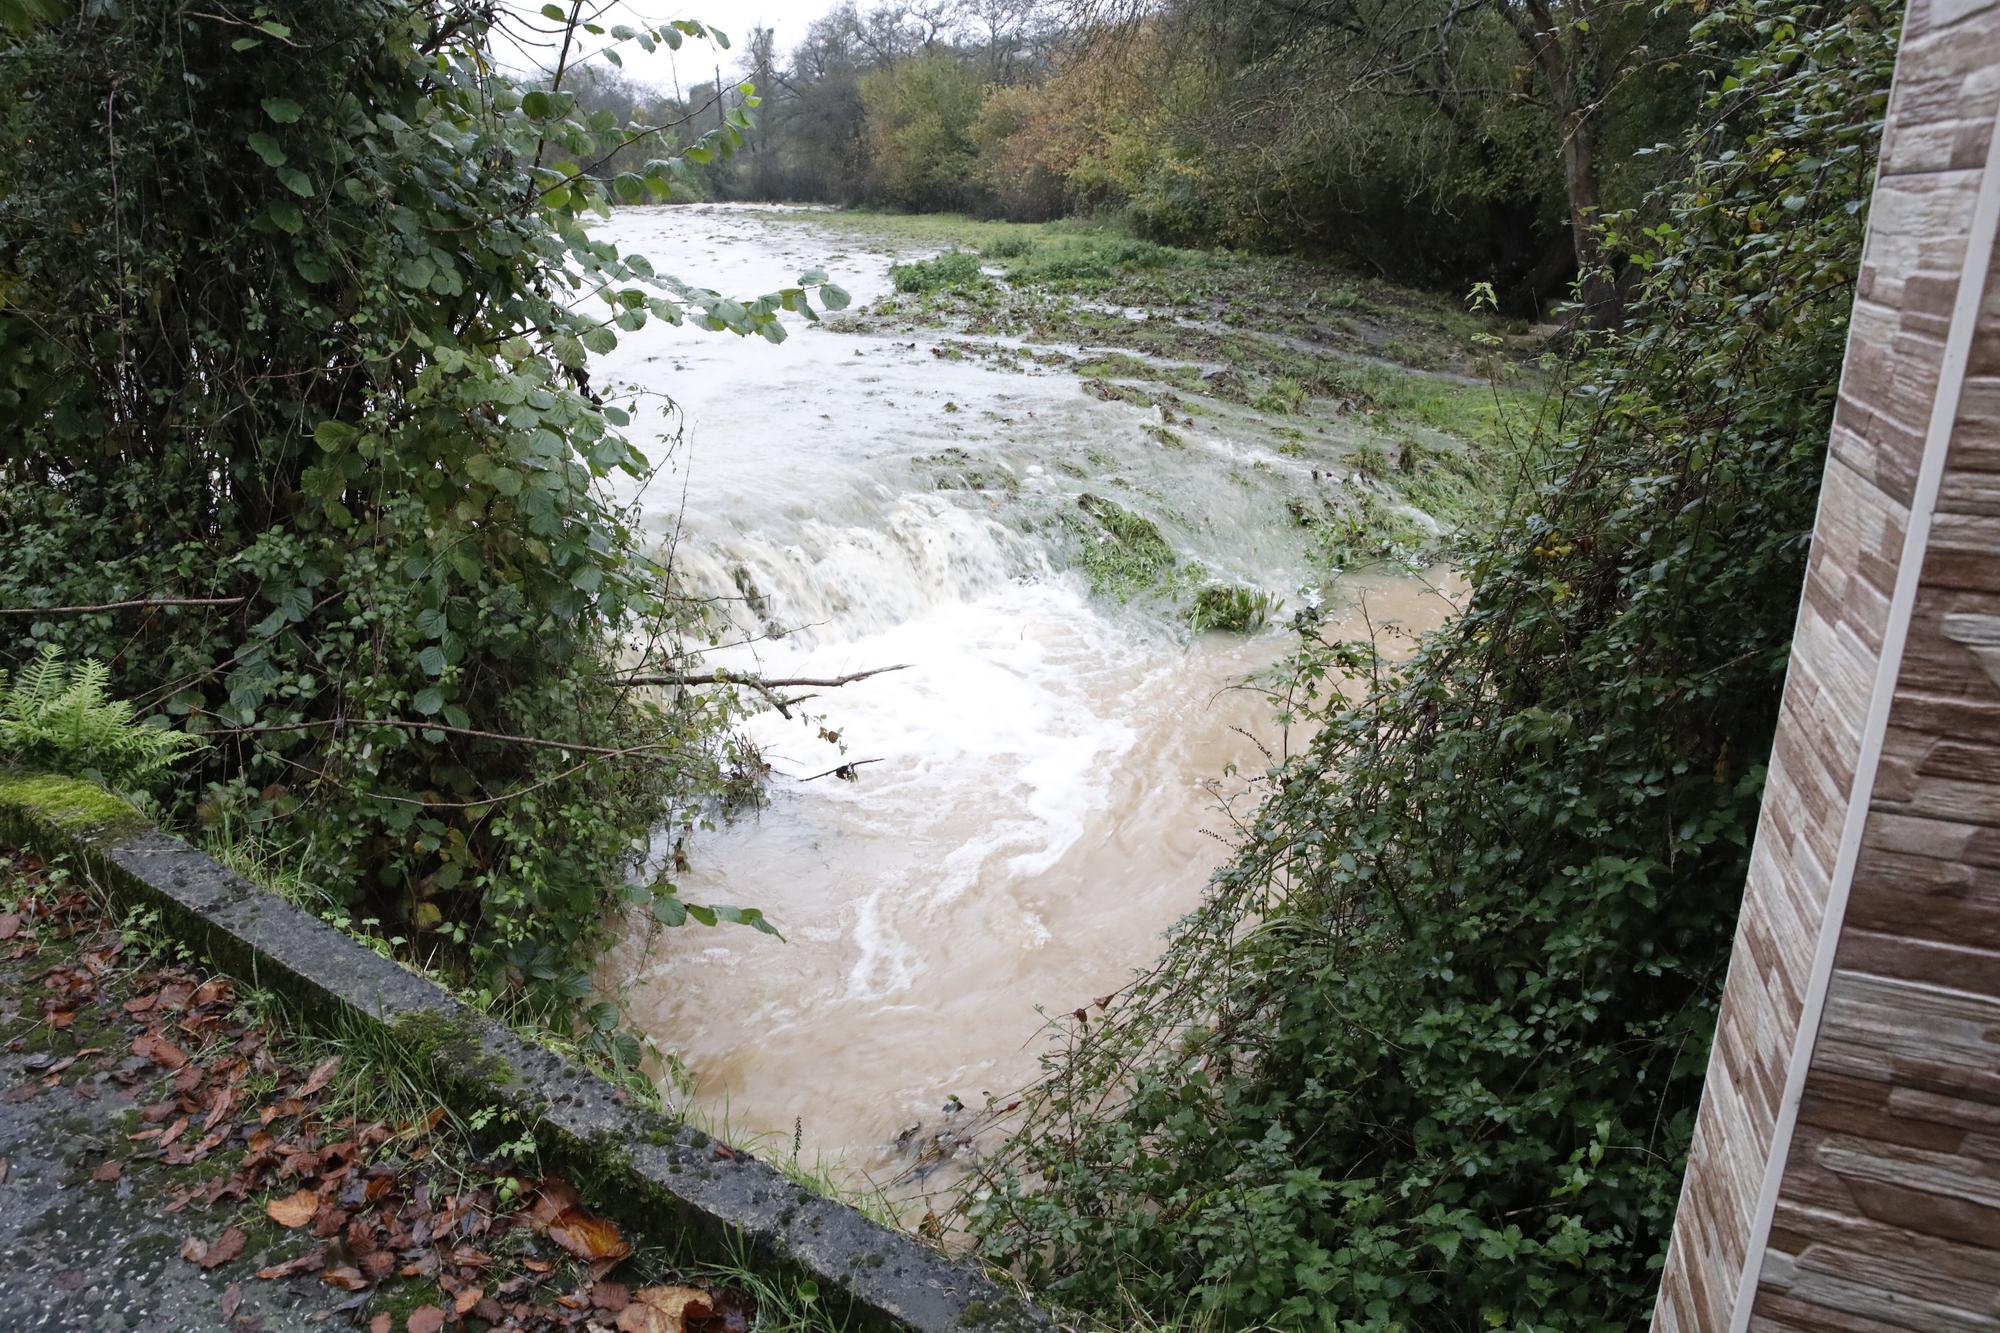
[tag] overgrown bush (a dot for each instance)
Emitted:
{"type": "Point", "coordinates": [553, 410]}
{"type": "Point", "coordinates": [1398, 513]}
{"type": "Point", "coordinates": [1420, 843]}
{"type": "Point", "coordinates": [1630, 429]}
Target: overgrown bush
{"type": "Point", "coordinates": [296, 311]}
{"type": "Point", "coordinates": [1428, 1056]}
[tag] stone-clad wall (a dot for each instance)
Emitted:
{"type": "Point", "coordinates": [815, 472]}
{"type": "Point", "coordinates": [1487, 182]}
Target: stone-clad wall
{"type": "Point", "coordinates": [1890, 953]}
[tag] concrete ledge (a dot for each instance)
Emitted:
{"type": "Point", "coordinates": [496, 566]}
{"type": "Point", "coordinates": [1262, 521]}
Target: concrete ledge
{"type": "Point", "coordinates": [648, 1171]}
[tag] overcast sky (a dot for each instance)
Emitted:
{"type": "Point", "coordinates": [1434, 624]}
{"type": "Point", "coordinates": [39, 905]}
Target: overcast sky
{"type": "Point", "coordinates": [696, 60]}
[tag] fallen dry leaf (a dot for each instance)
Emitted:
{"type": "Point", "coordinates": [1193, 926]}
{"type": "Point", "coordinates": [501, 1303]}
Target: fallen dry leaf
{"type": "Point", "coordinates": [232, 1300]}
{"type": "Point", "coordinates": [321, 1072]}
{"type": "Point", "coordinates": [553, 1198]}
{"type": "Point", "coordinates": [425, 1319]}
{"type": "Point", "coordinates": [312, 1258]}
{"type": "Point", "coordinates": [226, 1247]}
{"type": "Point", "coordinates": [294, 1210]}
{"type": "Point", "coordinates": [10, 925]}
{"type": "Point", "coordinates": [465, 1300]}
{"type": "Point", "coordinates": [110, 1170]}
{"type": "Point", "coordinates": [588, 1238]}
{"type": "Point", "coordinates": [347, 1279]}
{"type": "Point", "coordinates": [664, 1310]}
{"type": "Point", "coordinates": [381, 1323]}
{"type": "Point", "coordinates": [159, 1050]}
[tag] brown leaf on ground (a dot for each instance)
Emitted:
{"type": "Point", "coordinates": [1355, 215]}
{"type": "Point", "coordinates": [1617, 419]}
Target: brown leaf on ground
{"type": "Point", "coordinates": [294, 1210]}
{"type": "Point", "coordinates": [664, 1310]}
{"type": "Point", "coordinates": [312, 1258]}
{"type": "Point", "coordinates": [110, 1170]}
{"type": "Point", "coordinates": [381, 1323]}
{"type": "Point", "coordinates": [174, 1131]}
{"type": "Point", "coordinates": [232, 1300]}
{"type": "Point", "coordinates": [321, 1072]}
{"type": "Point", "coordinates": [425, 1319]}
{"type": "Point", "coordinates": [588, 1238]}
{"type": "Point", "coordinates": [465, 1300]}
{"type": "Point", "coordinates": [159, 1050]}
{"type": "Point", "coordinates": [553, 1198]}
{"type": "Point", "coordinates": [10, 925]}
{"type": "Point", "coordinates": [611, 1296]}
{"type": "Point", "coordinates": [347, 1279]}
{"type": "Point", "coordinates": [226, 1247]}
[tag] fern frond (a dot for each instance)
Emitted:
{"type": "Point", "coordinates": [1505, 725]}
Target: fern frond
{"type": "Point", "coordinates": [62, 719]}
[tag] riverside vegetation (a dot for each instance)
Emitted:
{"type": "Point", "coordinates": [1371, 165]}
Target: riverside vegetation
{"type": "Point", "coordinates": [1428, 1057]}
{"type": "Point", "coordinates": [300, 441]}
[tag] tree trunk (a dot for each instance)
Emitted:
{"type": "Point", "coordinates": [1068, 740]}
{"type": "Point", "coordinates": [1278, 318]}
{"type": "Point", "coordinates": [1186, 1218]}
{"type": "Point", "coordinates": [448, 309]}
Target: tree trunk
{"type": "Point", "coordinates": [1541, 34]}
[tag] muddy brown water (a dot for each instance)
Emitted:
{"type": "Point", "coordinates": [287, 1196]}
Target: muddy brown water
{"type": "Point", "coordinates": [1045, 803]}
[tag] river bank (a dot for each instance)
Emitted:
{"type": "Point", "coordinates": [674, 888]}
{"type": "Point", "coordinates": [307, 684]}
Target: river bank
{"type": "Point", "coordinates": [1042, 483]}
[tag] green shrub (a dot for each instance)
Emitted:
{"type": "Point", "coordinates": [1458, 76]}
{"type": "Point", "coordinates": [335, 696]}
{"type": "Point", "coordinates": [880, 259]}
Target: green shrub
{"type": "Point", "coordinates": [1096, 259]}
{"type": "Point", "coordinates": [300, 395]}
{"type": "Point", "coordinates": [953, 268]}
{"type": "Point", "coordinates": [1008, 247]}
{"type": "Point", "coordinates": [1428, 1057]}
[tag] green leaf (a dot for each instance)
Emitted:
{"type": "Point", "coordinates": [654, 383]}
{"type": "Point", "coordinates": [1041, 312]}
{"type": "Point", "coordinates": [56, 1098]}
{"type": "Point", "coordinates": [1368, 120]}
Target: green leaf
{"type": "Point", "coordinates": [628, 187]}
{"type": "Point", "coordinates": [311, 267]}
{"type": "Point", "coordinates": [267, 148]}
{"type": "Point", "coordinates": [283, 109]}
{"type": "Point", "coordinates": [432, 661]}
{"type": "Point", "coordinates": [834, 298]}
{"type": "Point", "coordinates": [537, 105]}
{"type": "Point", "coordinates": [334, 435]}
{"type": "Point", "coordinates": [428, 701]}
{"type": "Point", "coordinates": [416, 272]}
{"type": "Point", "coordinates": [275, 28]}
{"type": "Point", "coordinates": [554, 13]}
{"type": "Point", "coordinates": [296, 181]}
{"type": "Point", "coordinates": [669, 911]}
{"type": "Point", "coordinates": [286, 217]}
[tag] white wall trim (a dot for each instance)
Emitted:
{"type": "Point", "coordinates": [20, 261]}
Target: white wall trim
{"type": "Point", "coordinates": [1916, 540]}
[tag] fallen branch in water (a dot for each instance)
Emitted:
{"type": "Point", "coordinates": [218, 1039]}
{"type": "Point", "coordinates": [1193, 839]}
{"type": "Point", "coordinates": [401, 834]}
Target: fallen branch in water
{"type": "Point", "coordinates": [768, 682]}
{"type": "Point", "coordinates": [844, 771]}
{"type": "Point", "coordinates": [767, 686]}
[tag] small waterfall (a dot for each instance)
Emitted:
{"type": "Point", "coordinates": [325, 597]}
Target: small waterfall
{"type": "Point", "coordinates": [818, 581]}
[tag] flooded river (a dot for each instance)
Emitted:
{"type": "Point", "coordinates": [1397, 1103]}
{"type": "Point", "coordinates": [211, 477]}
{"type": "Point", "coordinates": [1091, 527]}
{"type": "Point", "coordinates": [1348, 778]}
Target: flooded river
{"type": "Point", "coordinates": [1043, 806]}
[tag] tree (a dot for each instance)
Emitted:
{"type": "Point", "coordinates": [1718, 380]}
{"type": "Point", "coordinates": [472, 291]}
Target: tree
{"type": "Point", "coordinates": [920, 117]}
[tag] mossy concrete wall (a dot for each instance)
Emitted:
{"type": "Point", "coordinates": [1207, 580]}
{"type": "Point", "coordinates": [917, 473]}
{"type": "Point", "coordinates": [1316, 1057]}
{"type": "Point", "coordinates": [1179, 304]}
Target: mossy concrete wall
{"type": "Point", "coordinates": [649, 1171]}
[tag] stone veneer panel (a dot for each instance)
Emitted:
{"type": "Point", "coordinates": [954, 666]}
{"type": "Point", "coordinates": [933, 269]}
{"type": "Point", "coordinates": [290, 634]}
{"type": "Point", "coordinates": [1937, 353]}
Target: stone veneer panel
{"type": "Point", "coordinates": [1891, 1177]}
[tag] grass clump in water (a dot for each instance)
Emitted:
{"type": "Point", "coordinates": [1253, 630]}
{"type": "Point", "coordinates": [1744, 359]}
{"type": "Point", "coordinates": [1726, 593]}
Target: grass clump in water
{"type": "Point", "coordinates": [953, 268]}
{"type": "Point", "coordinates": [1122, 552]}
{"type": "Point", "coordinates": [1230, 607]}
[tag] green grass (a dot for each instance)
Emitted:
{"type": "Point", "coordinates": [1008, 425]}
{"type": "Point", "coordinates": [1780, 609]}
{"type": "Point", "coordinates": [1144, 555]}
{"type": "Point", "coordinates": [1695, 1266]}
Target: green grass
{"type": "Point", "coordinates": [953, 268]}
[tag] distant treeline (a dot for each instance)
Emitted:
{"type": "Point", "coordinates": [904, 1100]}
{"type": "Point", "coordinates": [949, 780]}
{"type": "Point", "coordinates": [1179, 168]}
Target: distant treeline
{"type": "Point", "coordinates": [1440, 141]}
